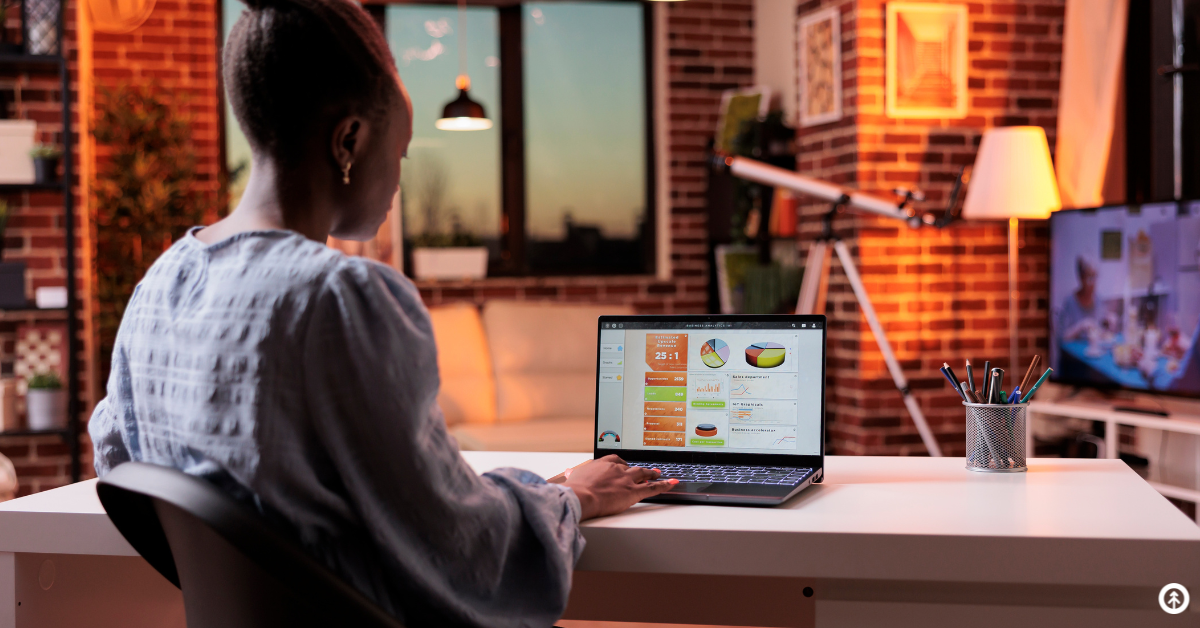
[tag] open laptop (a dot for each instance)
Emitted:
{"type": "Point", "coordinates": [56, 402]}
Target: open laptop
{"type": "Point", "coordinates": [731, 406]}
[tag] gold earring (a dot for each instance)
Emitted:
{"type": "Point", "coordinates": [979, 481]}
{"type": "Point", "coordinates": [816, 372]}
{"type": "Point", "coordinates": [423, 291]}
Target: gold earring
{"type": "Point", "coordinates": [346, 172]}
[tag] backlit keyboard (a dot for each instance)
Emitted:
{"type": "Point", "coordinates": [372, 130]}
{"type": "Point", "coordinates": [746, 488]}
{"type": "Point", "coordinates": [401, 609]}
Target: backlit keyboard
{"type": "Point", "coordinates": [784, 476]}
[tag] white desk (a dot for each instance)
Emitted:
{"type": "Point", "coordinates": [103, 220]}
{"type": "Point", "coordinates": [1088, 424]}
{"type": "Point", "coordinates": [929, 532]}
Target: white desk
{"type": "Point", "coordinates": [1103, 411]}
{"type": "Point", "coordinates": [884, 541]}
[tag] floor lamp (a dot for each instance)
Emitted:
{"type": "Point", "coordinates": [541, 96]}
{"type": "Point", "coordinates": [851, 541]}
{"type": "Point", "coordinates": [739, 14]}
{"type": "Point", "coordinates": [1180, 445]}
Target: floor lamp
{"type": "Point", "coordinates": [1013, 178]}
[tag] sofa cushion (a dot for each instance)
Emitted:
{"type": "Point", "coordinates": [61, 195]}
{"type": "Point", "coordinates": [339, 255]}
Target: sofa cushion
{"type": "Point", "coordinates": [544, 357]}
{"type": "Point", "coordinates": [468, 391]}
{"type": "Point", "coordinates": [570, 434]}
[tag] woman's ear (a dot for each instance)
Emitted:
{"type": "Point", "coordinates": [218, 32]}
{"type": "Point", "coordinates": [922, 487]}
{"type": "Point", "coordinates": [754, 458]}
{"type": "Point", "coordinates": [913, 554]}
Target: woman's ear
{"type": "Point", "coordinates": [349, 142]}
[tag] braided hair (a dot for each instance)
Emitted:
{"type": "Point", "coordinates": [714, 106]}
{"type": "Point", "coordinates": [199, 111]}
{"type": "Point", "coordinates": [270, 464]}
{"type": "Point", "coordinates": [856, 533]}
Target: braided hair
{"type": "Point", "coordinates": [288, 63]}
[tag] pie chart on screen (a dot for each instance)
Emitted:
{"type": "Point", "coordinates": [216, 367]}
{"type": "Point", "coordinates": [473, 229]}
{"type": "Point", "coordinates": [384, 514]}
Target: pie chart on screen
{"type": "Point", "coordinates": [765, 355]}
{"type": "Point", "coordinates": [714, 353]}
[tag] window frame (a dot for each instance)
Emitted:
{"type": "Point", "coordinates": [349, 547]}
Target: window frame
{"type": "Point", "coordinates": [514, 260]}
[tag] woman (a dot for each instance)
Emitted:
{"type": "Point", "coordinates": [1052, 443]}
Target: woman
{"type": "Point", "coordinates": [304, 381]}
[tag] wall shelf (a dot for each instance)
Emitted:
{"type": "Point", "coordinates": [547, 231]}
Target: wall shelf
{"type": "Point", "coordinates": [57, 64]}
{"type": "Point", "coordinates": [31, 62]}
{"type": "Point", "coordinates": [10, 188]}
{"type": "Point", "coordinates": [65, 433]}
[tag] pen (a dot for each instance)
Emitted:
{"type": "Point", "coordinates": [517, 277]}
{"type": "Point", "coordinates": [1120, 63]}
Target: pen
{"type": "Point", "coordinates": [953, 376]}
{"type": "Point", "coordinates": [987, 381]}
{"type": "Point", "coordinates": [1028, 379]}
{"type": "Point", "coordinates": [1032, 390]}
{"type": "Point", "coordinates": [1015, 396]}
{"type": "Point", "coordinates": [970, 394]}
{"type": "Point", "coordinates": [953, 384]}
{"type": "Point", "coordinates": [970, 376]}
{"type": "Point", "coordinates": [993, 395]}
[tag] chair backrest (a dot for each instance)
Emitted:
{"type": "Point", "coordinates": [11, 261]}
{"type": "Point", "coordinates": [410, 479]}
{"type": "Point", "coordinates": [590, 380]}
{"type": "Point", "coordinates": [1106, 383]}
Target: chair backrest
{"type": "Point", "coordinates": [234, 570]}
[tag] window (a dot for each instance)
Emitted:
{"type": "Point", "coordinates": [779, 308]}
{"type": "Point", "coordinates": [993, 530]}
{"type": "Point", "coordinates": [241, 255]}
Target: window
{"type": "Point", "coordinates": [585, 137]}
{"type": "Point", "coordinates": [563, 181]}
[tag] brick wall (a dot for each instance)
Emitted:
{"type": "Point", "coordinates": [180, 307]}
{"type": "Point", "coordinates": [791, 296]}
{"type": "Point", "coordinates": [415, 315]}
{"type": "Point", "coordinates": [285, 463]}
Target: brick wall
{"type": "Point", "coordinates": [942, 295]}
{"type": "Point", "coordinates": [176, 47]}
{"type": "Point", "coordinates": [36, 235]}
{"type": "Point", "coordinates": [710, 49]}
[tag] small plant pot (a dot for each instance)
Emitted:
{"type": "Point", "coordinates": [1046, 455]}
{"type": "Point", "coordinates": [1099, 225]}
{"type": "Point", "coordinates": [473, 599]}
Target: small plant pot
{"type": "Point", "coordinates": [46, 408]}
{"type": "Point", "coordinates": [457, 262]}
{"type": "Point", "coordinates": [45, 169]}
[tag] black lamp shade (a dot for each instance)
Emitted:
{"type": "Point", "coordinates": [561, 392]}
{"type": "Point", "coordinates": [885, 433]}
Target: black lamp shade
{"type": "Point", "coordinates": [463, 114]}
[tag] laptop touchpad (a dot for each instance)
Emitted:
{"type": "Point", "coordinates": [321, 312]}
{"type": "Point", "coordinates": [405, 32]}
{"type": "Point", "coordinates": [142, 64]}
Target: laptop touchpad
{"type": "Point", "coordinates": [691, 487]}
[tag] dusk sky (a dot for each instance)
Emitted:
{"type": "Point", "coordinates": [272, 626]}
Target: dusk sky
{"type": "Point", "coordinates": [584, 114]}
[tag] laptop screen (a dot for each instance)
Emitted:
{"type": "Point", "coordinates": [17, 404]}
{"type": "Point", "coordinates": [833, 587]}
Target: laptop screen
{"type": "Point", "coordinates": [749, 386]}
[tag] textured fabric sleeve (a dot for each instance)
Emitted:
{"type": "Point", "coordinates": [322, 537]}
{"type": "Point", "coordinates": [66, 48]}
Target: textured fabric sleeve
{"type": "Point", "coordinates": [107, 440]}
{"type": "Point", "coordinates": [496, 550]}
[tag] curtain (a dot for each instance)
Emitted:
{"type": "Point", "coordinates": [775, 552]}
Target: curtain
{"type": "Point", "coordinates": [1091, 83]}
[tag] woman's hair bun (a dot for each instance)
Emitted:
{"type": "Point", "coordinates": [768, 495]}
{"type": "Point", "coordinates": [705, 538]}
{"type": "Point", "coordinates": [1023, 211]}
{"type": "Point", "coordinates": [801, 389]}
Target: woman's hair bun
{"type": "Point", "coordinates": [258, 5]}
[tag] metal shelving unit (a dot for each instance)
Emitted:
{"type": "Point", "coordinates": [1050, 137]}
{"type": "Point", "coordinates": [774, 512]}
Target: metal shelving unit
{"type": "Point", "coordinates": [46, 64]}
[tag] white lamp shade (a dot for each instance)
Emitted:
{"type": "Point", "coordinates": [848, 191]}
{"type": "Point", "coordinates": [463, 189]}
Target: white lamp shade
{"type": "Point", "coordinates": [1013, 176]}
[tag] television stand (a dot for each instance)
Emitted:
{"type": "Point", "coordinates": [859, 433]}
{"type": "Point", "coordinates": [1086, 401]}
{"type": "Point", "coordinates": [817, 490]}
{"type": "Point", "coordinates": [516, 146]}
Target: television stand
{"type": "Point", "coordinates": [1114, 416]}
{"type": "Point", "coordinates": [1142, 410]}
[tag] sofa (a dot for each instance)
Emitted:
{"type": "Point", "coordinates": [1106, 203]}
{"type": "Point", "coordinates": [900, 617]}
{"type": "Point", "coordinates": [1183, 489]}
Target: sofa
{"type": "Point", "coordinates": [519, 376]}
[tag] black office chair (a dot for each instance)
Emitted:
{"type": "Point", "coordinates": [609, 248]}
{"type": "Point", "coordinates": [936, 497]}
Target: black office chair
{"type": "Point", "coordinates": [234, 570]}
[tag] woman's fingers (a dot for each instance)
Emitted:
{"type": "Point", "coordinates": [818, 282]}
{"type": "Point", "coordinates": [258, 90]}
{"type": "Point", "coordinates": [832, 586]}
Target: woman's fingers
{"type": "Point", "coordinates": [642, 474]}
{"type": "Point", "coordinates": [650, 489]}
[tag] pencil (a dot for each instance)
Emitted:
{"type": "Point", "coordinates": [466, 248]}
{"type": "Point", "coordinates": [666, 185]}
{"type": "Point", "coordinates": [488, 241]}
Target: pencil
{"type": "Point", "coordinates": [970, 376]}
{"type": "Point", "coordinates": [1028, 379]}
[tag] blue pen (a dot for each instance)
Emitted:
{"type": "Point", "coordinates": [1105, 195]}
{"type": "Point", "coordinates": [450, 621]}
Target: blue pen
{"type": "Point", "coordinates": [1033, 389]}
{"type": "Point", "coordinates": [953, 384]}
{"type": "Point", "coordinates": [1015, 396]}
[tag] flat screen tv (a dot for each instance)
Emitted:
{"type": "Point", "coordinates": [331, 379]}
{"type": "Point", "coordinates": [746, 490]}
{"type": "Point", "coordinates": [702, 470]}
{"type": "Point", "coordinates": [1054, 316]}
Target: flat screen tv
{"type": "Point", "coordinates": [1125, 297]}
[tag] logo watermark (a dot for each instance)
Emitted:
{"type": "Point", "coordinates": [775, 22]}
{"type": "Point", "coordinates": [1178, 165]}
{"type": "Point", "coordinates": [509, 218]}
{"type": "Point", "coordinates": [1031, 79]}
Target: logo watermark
{"type": "Point", "coordinates": [1174, 598]}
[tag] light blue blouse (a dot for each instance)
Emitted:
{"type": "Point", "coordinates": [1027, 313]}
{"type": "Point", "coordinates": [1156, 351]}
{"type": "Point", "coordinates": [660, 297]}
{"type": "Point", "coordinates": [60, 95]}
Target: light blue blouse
{"type": "Point", "coordinates": [304, 381]}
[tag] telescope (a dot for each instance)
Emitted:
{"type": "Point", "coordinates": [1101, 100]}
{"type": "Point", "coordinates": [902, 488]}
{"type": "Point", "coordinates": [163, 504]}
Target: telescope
{"type": "Point", "coordinates": [814, 286]}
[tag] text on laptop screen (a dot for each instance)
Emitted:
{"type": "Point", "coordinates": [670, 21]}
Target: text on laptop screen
{"type": "Point", "coordinates": [720, 387]}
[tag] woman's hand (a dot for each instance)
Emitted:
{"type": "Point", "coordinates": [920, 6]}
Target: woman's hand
{"type": "Point", "coordinates": [609, 486]}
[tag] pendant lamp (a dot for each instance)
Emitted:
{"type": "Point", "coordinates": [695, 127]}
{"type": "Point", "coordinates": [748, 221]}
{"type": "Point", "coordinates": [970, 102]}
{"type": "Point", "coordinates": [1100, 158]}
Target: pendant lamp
{"type": "Point", "coordinates": [462, 113]}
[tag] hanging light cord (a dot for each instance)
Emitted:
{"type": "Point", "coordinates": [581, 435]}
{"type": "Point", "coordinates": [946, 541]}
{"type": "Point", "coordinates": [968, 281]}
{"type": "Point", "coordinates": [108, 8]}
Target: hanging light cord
{"type": "Point", "coordinates": [463, 81]}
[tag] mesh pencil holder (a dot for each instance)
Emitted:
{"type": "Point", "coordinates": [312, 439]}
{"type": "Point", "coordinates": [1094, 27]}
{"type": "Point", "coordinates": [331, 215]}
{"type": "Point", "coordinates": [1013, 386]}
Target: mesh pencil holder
{"type": "Point", "coordinates": [996, 437]}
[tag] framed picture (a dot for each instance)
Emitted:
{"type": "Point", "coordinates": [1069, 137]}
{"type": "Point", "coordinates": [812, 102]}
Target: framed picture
{"type": "Point", "coordinates": [926, 60]}
{"type": "Point", "coordinates": [819, 48]}
{"type": "Point", "coordinates": [738, 106]}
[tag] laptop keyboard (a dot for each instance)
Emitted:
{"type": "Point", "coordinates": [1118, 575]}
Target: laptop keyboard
{"type": "Point", "coordinates": [733, 474]}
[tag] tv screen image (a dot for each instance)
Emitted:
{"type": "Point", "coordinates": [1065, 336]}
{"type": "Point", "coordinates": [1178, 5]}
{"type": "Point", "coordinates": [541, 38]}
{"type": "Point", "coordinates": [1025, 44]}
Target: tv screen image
{"type": "Point", "coordinates": [1125, 297]}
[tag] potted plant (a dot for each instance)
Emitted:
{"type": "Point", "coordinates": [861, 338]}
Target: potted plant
{"type": "Point", "coordinates": [456, 255]}
{"type": "Point", "coordinates": [45, 162]}
{"type": "Point", "coordinates": [7, 47]}
{"type": "Point", "coordinates": [46, 402]}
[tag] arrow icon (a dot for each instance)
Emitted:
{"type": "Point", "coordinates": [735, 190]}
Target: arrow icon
{"type": "Point", "coordinates": [1174, 598]}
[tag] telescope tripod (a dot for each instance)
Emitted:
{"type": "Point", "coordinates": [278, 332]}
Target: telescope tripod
{"type": "Point", "coordinates": [813, 290]}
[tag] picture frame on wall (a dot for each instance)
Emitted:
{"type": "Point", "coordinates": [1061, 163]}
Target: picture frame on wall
{"type": "Point", "coordinates": [926, 75]}
{"type": "Point", "coordinates": [737, 107]}
{"type": "Point", "coordinates": [819, 50]}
